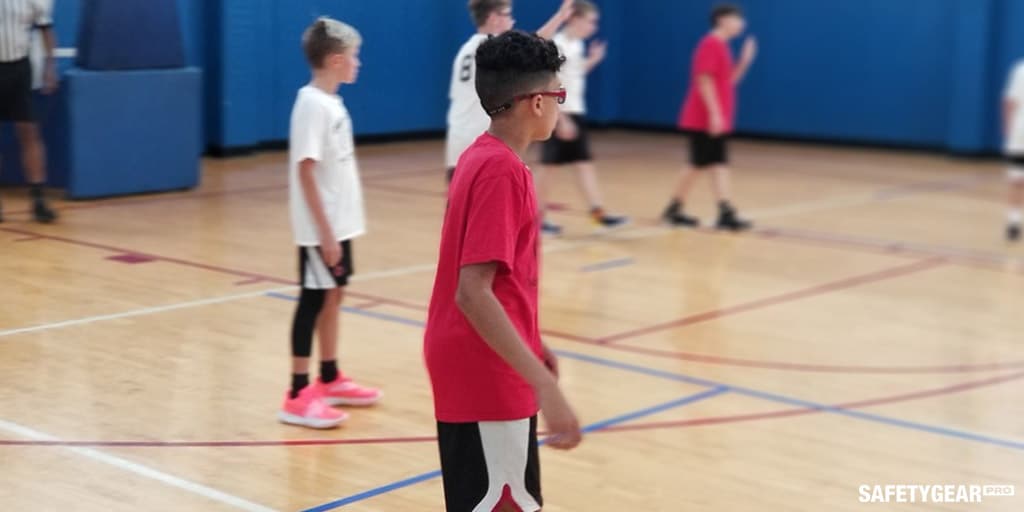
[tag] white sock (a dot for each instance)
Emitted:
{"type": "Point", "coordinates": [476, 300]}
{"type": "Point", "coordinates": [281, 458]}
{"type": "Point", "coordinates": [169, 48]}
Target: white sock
{"type": "Point", "coordinates": [1014, 216]}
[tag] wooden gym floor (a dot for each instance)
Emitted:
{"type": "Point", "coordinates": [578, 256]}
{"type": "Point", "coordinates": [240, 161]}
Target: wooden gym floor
{"type": "Point", "coordinates": [868, 332]}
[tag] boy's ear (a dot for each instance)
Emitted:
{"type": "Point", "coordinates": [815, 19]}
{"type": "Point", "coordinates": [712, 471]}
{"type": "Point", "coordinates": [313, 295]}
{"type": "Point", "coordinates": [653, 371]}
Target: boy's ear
{"type": "Point", "coordinates": [537, 101]}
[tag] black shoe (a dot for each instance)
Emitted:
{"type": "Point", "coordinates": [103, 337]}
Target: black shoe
{"type": "Point", "coordinates": [611, 221]}
{"type": "Point", "coordinates": [680, 220]}
{"type": "Point", "coordinates": [729, 221]}
{"type": "Point", "coordinates": [550, 229]}
{"type": "Point", "coordinates": [1013, 232]}
{"type": "Point", "coordinates": [42, 213]}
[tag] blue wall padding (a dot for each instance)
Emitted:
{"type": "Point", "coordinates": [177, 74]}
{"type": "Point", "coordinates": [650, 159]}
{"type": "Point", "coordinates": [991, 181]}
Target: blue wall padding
{"type": "Point", "coordinates": [925, 73]}
{"type": "Point", "coordinates": [135, 34]}
{"type": "Point", "coordinates": [133, 131]}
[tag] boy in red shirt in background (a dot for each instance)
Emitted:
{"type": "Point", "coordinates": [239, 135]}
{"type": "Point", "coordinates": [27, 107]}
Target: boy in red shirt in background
{"type": "Point", "coordinates": [708, 115]}
{"type": "Point", "coordinates": [489, 370]}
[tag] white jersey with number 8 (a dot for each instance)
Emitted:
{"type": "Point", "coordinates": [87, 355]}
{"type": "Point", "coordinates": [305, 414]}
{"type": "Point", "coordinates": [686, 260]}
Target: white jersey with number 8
{"type": "Point", "coordinates": [466, 117]}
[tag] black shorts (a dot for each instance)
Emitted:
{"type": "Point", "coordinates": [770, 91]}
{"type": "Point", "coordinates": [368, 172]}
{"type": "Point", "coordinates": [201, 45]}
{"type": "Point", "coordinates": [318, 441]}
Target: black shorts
{"type": "Point", "coordinates": [487, 463]}
{"type": "Point", "coordinates": [16, 91]}
{"type": "Point", "coordinates": [559, 152]}
{"type": "Point", "coordinates": [1016, 160]}
{"type": "Point", "coordinates": [707, 151]}
{"type": "Point", "coordinates": [314, 274]}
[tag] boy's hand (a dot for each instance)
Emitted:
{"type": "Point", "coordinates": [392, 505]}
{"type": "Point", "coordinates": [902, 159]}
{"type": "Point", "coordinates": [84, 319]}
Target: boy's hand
{"type": "Point", "coordinates": [598, 50]}
{"type": "Point", "coordinates": [330, 250]}
{"type": "Point", "coordinates": [50, 77]}
{"type": "Point", "coordinates": [562, 425]}
{"type": "Point", "coordinates": [749, 52]}
{"type": "Point", "coordinates": [717, 125]}
{"type": "Point", "coordinates": [566, 10]}
{"type": "Point", "coordinates": [550, 360]}
{"type": "Point", "coordinates": [566, 129]}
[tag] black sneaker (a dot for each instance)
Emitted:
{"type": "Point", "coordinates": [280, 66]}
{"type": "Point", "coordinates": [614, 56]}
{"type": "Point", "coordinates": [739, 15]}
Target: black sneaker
{"type": "Point", "coordinates": [729, 221]}
{"type": "Point", "coordinates": [550, 229]}
{"type": "Point", "coordinates": [680, 220]}
{"type": "Point", "coordinates": [611, 221]}
{"type": "Point", "coordinates": [1013, 232]}
{"type": "Point", "coordinates": [42, 213]}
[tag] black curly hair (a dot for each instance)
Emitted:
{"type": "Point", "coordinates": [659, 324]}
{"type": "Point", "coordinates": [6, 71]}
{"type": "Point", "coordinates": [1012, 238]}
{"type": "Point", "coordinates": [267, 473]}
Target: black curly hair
{"type": "Point", "coordinates": [511, 64]}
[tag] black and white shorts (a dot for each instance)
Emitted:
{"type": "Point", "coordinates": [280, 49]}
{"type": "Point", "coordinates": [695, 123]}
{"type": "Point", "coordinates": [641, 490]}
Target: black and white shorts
{"type": "Point", "coordinates": [489, 463]}
{"type": "Point", "coordinates": [314, 274]}
{"type": "Point", "coordinates": [707, 151]}
{"type": "Point", "coordinates": [556, 151]}
{"type": "Point", "coordinates": [1016, 169]}
{"type": "Point", "coordinates": [16, 91]}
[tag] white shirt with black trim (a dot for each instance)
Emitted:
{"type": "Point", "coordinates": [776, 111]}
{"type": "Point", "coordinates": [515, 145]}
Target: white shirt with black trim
{"type": "Point", "coordinates": [321, 130]}
{"type": "Point", "coordinates": [574, 73]}
{"type": "Point", "coordinates": [467, 119]}
{"type": "Point", "coordinates": [17, 19]}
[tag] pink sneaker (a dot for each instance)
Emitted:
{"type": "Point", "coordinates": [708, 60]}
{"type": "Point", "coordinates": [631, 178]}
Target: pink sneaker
{"type": "Point", "coordinates": [308, 409]}
{"type": "Point", "coordinates": [346, 392]}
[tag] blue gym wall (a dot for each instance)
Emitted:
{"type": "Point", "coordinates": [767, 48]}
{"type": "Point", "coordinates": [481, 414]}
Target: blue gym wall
{"type": "Point", "coordinates": [922, 73]}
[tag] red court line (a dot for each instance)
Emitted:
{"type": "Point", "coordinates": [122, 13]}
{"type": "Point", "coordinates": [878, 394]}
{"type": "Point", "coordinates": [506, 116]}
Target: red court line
{"type": "Point", "coordinates": [165, 197]}
{"type": "Point", "coordinates": [712, 420]}
{"type": "Point", "coordinates": [821, 289]}
{"type": "Point", "coordinates": [570, 337]}
{"type": "Point", "coordinates": [121, 250]}
{"type": "Point", "coordinates": [906, 397]}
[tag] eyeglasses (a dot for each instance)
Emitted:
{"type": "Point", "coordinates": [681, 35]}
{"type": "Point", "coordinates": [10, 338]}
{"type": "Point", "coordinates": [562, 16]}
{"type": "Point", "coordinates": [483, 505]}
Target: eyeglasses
{"type": "Point", "coordinates": [559, 96]}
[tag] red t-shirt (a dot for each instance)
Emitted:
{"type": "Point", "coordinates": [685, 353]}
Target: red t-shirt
{"type": "Point", "coordinates": [712, 57]}
{"type": "Point", "coordinates": [492, 216]}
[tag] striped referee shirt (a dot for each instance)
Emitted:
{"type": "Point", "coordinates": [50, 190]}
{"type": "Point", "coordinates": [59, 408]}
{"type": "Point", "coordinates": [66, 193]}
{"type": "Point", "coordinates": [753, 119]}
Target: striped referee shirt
{"type": "Point", "coordinates": [17, 19]}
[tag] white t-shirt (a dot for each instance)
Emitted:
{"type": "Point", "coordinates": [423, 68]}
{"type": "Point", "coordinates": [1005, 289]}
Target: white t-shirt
{"type": "Point", "coordinates": [1015, 91]}
{"type": "Point", "coordinates": [466, 117]}
{"type": "Point", "coordinates": [321, 130]}
{"type": "Point", "coordinates": [574, 73]}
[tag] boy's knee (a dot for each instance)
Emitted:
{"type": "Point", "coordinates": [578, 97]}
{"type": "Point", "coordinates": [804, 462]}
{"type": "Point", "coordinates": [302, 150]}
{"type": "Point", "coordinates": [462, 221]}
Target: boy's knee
{"type": "Point", "coordinates": [1016, 176]}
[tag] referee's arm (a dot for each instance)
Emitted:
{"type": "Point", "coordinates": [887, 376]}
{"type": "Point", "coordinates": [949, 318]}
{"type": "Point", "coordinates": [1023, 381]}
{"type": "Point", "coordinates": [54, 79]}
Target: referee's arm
{"type": "Point", "coordinates": [44, 23]}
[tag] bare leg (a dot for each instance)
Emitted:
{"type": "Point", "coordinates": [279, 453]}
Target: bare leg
{"type": "Point", "coordinates": [687, 179]}
{"type": "Point", "coordinates": [587, 175]}
{"type": "Point", "coordinates": [33, 152]}
{"type": "Point", "coordinates": [33, 156]}
{"type": "Point", "coordinates": [721, 183]}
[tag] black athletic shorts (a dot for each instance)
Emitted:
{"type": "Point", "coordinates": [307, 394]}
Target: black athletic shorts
{"type": "Point", "coordinates": [16, 91]}
{"type": "Point", "coordinates": [488, 463]}
{"type": "Point", "coordinates": [556, 151]}
{"type": "Point", "coordinates": [314, 274]}
{"type": "Point", "coordinates": [707, 151]}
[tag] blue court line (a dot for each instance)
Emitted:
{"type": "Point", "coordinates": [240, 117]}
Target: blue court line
{"type": "Point", "coordinates": [763, 395]}
{"type": "Point", "coordinates": [772, 397]}
{"type": "Point", "coordinates": [606, 265]}
{"type": "Point", "coordinates": [430, 475]}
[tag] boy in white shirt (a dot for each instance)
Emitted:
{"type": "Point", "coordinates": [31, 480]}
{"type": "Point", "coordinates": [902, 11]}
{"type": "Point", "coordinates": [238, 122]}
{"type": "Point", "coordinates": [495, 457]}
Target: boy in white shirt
{"type": "Point", "coordinates": [466, 118]}
{"type": "Point", "coordinates": [571, 144]}
{"type": "Point", "coordinates": [1013, 129]}
{"type": "Point", "coordinates": [327, 212]}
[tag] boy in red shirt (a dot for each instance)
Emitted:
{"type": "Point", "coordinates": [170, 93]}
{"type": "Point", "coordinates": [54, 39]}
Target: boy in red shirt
{"type": "Point", "coordinates": [489, 370]}
{"type": "Point", "coordinates": [708, 115]}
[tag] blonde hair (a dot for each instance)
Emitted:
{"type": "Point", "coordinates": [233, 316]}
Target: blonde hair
{"type": "Point", "coordinates": [480, 10]}
{"type": "Point", "coordinates": [583, 8]}
{"type": "Point", "coordinates": [327, 36]}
